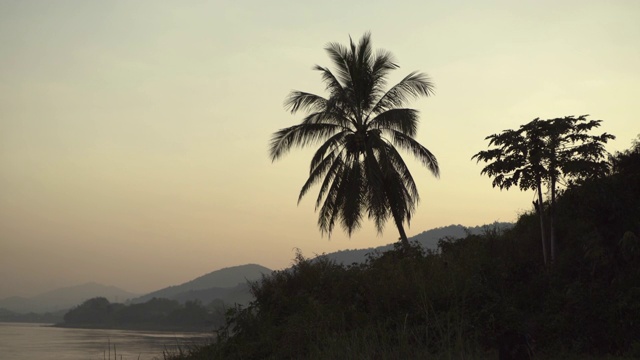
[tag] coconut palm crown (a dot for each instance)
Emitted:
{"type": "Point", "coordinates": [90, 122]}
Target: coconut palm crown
{"type": "Point", "coordinates": [360, 127]}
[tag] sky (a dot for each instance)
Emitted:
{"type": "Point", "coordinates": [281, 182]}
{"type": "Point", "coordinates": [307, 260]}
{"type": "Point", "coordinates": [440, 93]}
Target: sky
{"type": "Point", "coordinates": [134, 134]}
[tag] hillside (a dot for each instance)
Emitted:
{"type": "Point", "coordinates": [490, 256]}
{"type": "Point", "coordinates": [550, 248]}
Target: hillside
{"type": "Point", "coordinates": [238, 294]}
{"type": "Point", "coordinates": [230, 284]}
{"type": "Point", "coordinates": [219, 284]}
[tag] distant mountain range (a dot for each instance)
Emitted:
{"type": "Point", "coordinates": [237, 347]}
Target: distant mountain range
{"type": "Point", "coordinates": [64, 298]}
{"type": "Point", "coordinates": [228, 285]}
{"type": "Point", "coordinates": [427, 239]}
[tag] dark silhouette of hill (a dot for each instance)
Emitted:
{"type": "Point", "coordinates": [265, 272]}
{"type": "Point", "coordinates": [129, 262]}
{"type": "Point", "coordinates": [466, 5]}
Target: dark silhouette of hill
{"type": "Point", "coordinates": [227, 283]}
{"type": "Point", "coordinates": [427, 239]}
{"type": "Point", "coordinates": [64, 298]}
{"type": "Point", "coordinates": [239, 294]}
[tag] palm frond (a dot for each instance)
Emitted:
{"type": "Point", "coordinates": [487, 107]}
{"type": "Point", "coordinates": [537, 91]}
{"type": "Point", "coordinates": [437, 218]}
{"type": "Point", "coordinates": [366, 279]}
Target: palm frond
{"type": "Point", "coordinates": [332, 84]}
{"type": "Point", "coordinates": [413, 85]}
{"type": "Point", "coordinates": [364, 48]}
{"type": "Point", "coordinates": [322, 163]}
{"type": "Point", "coordinates": [317, 173]}
{"type": "Point", "coordinates": [398, 197]}
{"type": "Point", "coordinates": [351, 210]}
{"type": "Point", "coordinates": [380, 68]}
{"type": "Point", "coordinates": [332, 115]}
{"type": "Point", "coordinates": [361, 80]}
{"type": "Point", "coordinates": [402, 120]}
{"type": "Point", "coordinates": [377, 206]}
{"type": "Point", "coordinates": [332, 202]}
{"type": "Point", "coordinates": [334, 171]}
{"type": "Point", "coordinates": [299, 100]}
{"type": "Point", "coordinates": [335, 143]}
{"type": "Point", "coordinates": [383, 63]}
{"type": "Point", "coordinates": [340, 57]}
{"type": "Point", "coordinates": [420, 152]}
{"type": "Point", "coordinates": [299, 135]}
{"type": "Point", "coordinates": [400, 168]}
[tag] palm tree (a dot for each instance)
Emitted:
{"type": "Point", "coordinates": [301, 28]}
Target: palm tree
{"type": "Point", "coordinates": [361, 127]}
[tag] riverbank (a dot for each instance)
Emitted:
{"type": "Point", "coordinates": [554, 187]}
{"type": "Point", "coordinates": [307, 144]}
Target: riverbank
{"type": "Point", "coordinates": [139, 327]}
{"type": "Point", "coordinates": [157, 314]}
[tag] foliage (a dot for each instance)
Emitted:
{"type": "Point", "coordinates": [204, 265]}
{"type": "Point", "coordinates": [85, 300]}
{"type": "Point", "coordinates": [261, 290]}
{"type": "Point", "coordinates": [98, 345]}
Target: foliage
{"type": "Point", "coordinates": [554, 151]}
{"type": "Point", "coordinates": [93, 311]}
{"type": "Point", "coordinates": [600, 251]}
{"type": "Point", "coordinates": [546, 149]}
{"type": "Point", "coordinates": [155, 314]}
{"type": "Point", "coordinates": [361, 127]}
{"type": "Point", "coordinates": [458, 301]}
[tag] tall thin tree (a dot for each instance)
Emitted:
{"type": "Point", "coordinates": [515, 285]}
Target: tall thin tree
{"type": "Point", "coordinates": [573, 155]}
{"type": "Point", "coordinates": [517, 160]}
{"type": "Point", "coordinates": [360, 127]}
{"type": "Point", "coordinates": [551, 152]}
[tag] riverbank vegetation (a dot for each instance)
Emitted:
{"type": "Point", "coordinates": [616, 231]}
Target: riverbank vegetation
{"type": "Point", "coordinates": [155, 314]}
{"type": "Point", "coordinates": [458, 301]}
{"type": "Point", "coordinates": [32, 317]}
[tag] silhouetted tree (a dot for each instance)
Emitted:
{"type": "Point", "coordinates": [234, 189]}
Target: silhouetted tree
{"type": "Point", "coordinates": [361, 127]}
{"type": "Point", "coordinates": [93, 311]}
{"type": "Point", "coordinates": [551, 152]}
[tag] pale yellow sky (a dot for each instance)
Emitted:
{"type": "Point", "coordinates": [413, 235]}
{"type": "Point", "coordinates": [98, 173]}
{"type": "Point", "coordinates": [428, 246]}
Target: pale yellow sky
{"type": "Point", "coordinates": [134, 134]}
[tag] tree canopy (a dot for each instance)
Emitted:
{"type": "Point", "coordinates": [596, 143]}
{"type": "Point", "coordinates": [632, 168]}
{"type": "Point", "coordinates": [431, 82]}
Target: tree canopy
{"type": "Point", "coordinates": [551, 152]}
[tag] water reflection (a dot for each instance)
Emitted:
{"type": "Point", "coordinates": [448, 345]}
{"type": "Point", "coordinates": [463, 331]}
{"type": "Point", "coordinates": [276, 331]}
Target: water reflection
{"type": "Point", "coordinates": [39, 341]}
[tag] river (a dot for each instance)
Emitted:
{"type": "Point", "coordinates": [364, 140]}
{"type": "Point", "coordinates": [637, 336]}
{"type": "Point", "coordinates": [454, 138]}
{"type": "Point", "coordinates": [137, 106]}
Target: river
{"type": "Point", "coordinates": [24, 341]}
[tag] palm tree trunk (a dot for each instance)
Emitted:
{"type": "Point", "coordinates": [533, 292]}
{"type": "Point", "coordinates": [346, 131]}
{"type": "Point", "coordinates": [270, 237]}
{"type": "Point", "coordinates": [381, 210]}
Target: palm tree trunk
{"type": "Point", "coordinates": [397, 218]}
{"type": "Point", "coordinates": [403, 236]}
{"type": "Point", "coordinates": [540, 211]}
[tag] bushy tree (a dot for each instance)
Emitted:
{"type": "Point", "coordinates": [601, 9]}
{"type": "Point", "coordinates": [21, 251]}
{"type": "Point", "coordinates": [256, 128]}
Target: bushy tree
{"type": "Point", "coordinates": [93, 311]}
{"type": "Point", "coordinates": [551, 152]}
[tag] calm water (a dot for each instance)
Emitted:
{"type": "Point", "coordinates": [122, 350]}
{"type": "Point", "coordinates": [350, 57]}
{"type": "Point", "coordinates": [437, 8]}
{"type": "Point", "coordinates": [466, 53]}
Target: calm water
{"type": "Point", "coordinates": [20, 341]}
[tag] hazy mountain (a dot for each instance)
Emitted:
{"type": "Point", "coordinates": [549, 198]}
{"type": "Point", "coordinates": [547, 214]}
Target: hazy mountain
{"type": "Point", "coordinates": [428, 239]}
{"type": "Point", "coordinates": [64, 298]}
{"type": "Point", "coordinates": [221, 284]}
{"type": "Point", "coordinates": [6, 313]}
{"type": "Point", "coordinates": [228, 285]}
{"type": "Point", "coordinates": [15, 304]}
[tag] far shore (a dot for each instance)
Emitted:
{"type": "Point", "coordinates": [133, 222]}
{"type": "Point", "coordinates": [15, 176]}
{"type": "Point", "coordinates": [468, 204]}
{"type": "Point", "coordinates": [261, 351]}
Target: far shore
{"type": "Point", "coordinates": [139, 327]}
